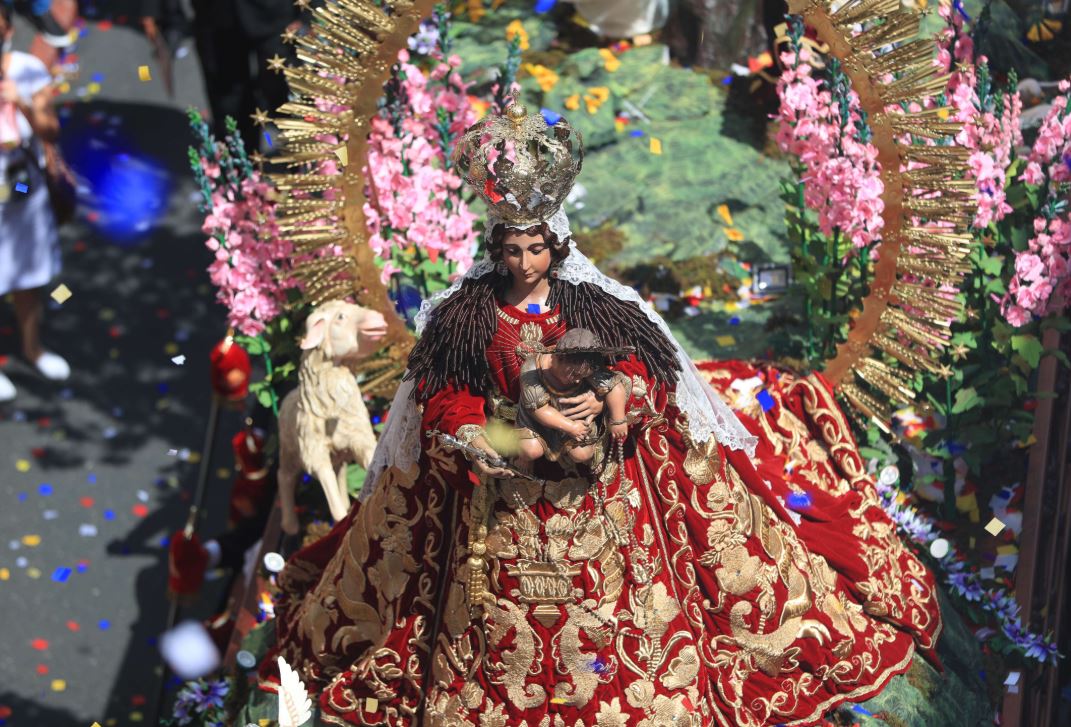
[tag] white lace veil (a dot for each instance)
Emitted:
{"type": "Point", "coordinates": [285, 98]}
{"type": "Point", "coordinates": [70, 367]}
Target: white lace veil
{"type": "Point", "coordinates": [708, 415]}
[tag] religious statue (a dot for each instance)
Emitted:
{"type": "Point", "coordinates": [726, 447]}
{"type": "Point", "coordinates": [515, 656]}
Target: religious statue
{"type": "Point", "coordinates": [712, 568]}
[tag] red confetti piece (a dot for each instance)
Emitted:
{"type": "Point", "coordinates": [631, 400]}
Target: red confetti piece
{"type": "Point", "coordinates": [39, 644]}
{"type": "Point", "coordinates": [73, 626]}
{"type": "Point", "coordinates": [115, 332]}
{"type": "Point", "coordinates": [87, 501]}
{"type": "Point", "coordinates": [93, 216]}
{"type": "Point", "coordinates": [140, 510]}
{"type": "Point", "coordinates": [3, 360]}
{"type": "Point", "coordinates": [104, 26]}
{"type": "Point", "coordinates": [38, 452]}
{"type": "Point", "coordinates": [5, 711]}
{"type": "Point", "coordinates": [137, 700]}
{"type": "Point", "coordinates": [42, 669]}
{"type": "Point", "coordinates": [80, 246]}
{"type": "Point", "coordinates": [43, 422]}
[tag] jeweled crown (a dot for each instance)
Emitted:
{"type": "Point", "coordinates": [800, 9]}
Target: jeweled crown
{"type": "Point", "coordinates": [520, 165]}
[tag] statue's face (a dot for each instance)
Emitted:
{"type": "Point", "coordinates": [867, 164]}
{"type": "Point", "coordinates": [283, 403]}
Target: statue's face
{"type": "Point", "coordinates": [526, 256]}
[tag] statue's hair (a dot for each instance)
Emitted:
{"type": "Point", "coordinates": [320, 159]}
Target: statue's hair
{"type": "Point", "coordinates": [453, 348]}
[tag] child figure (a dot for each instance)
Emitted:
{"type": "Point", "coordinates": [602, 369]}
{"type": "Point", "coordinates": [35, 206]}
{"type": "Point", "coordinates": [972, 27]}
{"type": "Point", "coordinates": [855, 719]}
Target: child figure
{"type": "Point", "coordinates": [577, 364]}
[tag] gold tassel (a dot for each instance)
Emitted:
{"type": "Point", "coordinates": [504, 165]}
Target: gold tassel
{"type": "Point", "coordinates": [897, 28]}
{"type": "Point", "coordinates": [856, 11]}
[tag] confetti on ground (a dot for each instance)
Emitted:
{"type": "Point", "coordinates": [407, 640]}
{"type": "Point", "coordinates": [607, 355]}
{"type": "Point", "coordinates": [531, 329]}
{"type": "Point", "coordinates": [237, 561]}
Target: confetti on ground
{"type": "Point", "coordinates": [73, 626]}
{"type": "Point", "coordinates": [39, 644]}
{"type": "Point", "coordinates": [21, 188]}
{"type": "Point", "coordinates": [994, 527]}
{"type": "Point", "coordinates": [5, 574]}
{"type": "Point", "coordinates": [44, 489]}
{"type": "Point", "coordinates": [734, 234]}
{"type": "Point", "coordinates": [59, 685]}
{"type": "Point", "coordinates": [31, 541]}
{"type": "Point", "coordinates": [178, 360]}
{"type": "Point", "coordinates": [725, 340]}
{"type": "Point", "coordinates": [62, 293]}
{"type": "Point", "coordinates": [86, 502]}
{"type": "Point", "coordinates": [143, 74]}
{"type": "Point", "coordinates": [42, 669]}
{"type": "Point", "coordinates": [140, 510]}
{"type": "Point", "coordinates": [104, 624]}
{"type": "Point", "coordinates": [723, 212]}
{"type": "Point", "coordinates": [34, 573]}
{"type": "Point", "coordinates": [656, 145]}
{"type": "Point", "coordinates": [61, 575]}
{"type": "Point", "coordinates": [22, 465]}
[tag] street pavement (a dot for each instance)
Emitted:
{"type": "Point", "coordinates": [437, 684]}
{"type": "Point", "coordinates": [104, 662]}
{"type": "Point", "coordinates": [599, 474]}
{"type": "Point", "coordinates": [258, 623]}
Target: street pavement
{"type": "Point", "coordinates": [88, 489]}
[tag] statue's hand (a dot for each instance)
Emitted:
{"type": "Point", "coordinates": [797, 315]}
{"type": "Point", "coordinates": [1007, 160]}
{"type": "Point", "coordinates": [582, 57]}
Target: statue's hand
{"type": "Point", "coordinates": [581, 407]}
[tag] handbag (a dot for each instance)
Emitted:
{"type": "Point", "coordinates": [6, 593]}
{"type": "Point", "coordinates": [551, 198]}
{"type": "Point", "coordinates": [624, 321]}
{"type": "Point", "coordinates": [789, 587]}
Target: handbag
{"type": "Point", "coordinates": [61, 184]}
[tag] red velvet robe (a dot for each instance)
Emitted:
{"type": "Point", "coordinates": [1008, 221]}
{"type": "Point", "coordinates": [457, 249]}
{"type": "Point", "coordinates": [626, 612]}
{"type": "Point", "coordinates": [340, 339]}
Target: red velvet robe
{"type": "Point", "coordinates": [689, 596]}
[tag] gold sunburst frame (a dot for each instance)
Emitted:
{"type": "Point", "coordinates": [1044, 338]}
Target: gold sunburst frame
{"type": "Point", "coordinates": [347, 58]}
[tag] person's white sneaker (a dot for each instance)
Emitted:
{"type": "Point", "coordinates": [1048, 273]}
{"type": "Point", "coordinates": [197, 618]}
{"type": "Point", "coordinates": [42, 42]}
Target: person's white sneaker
{"type": "Point", "coordinates": [7, 389]}
{"type": "Point", "coordinates": [52, 366]}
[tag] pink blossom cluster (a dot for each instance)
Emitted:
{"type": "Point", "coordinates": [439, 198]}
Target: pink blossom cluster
{"type": "Point", "coordinates": [414, 198]}
{"type": "Point", "coordinates": [990, 137]}
{"type": "Point", "coordinates": [249, 271]}
{"type": "Point", "coordinates": [1042, 281]}
{"type": "Point", "coordinates": [841, 175]}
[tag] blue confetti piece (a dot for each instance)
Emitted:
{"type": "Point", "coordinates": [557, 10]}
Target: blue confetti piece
{"type": "Point", "coordinates": [958, 5]}
{"type": "Point", "coordinates": [267, 138]}
{"type": "Point", "coordinates": [61, 575]}
{"type": "Point", "coordinates": [109, 514]}
{"type": "Point", "coordinates": [545, 6]}
{"type": "Point", "coordinates": [104, 624]}
{"type": "Point", "coordinates": [533, 308]}
{"type": "Point", "coordinates": [165, 541]}
{"type": "Point", "coordinates": [44, 489]}
{"type": "Point", "coordinates": [174, 682]}
{"type": "Point", "coordinates": [23, 496]}
{"type": "Point", "coordinates": [727, 81]}
{"type": "Point", "coordinates": [860, 709]}
{"type": "Point", "coordinates": [551, 117]}
{"type": "Point", "coordinates": [81, 567]}
{"type": "Point", "coordinates": [162, 388]}
{"type": "Point", "coordinates": [799, 500]}
{"type": "Point", "coordinates": [636, 132]}
{"type": "Point", "coordinates": [98, 77]}
{"type": "Point", "coordinates": [151, 641]}
{"type": "Point", "coordinates": [306, 477]}
{"type": "Point", "coordinates": [91, 478]}
{"type": "Point", "coordinates": [376, 420]}
{"type": "Point", "coordinates": [734, 321]}
{"type": "Point", "coordinates": [21, 187]}
{"type": "Point", "coordinates": [765, 400]}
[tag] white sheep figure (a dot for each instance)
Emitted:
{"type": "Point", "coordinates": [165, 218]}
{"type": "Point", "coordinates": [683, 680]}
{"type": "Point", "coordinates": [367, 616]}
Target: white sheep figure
{"type": "Point", "coordinates": [324, 424]}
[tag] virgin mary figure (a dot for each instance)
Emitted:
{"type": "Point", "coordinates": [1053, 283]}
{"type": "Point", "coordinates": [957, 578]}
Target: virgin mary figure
{"type": "Point", "coordinates": [719, 568]}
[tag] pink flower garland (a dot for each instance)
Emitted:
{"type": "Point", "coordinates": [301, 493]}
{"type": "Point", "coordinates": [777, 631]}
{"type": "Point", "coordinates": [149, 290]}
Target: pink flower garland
{"type": "Point", "coordinates": [841, 175]}
{"type": "Point", "coordinates": [413, 198]}
{"type": "Point", "coordinates": [251, 259]}
{"type": "Point", "coordinates": [1042, 282]}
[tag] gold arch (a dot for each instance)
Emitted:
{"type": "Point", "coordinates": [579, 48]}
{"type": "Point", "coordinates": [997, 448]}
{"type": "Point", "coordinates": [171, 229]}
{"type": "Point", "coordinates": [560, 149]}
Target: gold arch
{"type": "Point", "coordinates": [357, 41]}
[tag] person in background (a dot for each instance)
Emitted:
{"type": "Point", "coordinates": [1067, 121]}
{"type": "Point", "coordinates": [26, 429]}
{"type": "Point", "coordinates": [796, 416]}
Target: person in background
{"type": "Point", "coordinates": [29, 237]}
{"type": "Point", "coordinates": [53, 20]}
{"type": "Point", "coordinates": [227, 34]}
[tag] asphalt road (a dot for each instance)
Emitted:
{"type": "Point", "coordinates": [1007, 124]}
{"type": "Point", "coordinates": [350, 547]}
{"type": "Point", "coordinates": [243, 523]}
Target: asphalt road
{"type": "Point", "coordinates": [88, 490]}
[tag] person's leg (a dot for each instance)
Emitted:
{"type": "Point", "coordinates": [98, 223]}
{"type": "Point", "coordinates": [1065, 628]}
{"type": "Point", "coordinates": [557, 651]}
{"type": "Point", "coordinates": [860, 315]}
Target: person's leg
{"type": "Point", "coordinates": [224, 54]}
{"type": "Point", "coordinates": [29, 311]}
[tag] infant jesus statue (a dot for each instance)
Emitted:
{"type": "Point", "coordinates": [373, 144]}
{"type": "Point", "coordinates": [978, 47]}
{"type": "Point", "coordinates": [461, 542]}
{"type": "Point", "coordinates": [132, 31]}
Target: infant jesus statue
{"type": "Point", "coordinates": [578, 363]}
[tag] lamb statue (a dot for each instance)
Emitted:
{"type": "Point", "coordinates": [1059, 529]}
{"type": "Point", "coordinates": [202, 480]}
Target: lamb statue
{"type": "Point", "coordinates": [324, 424]}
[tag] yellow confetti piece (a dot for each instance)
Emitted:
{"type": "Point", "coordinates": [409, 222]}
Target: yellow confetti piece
{"type": "Point", "coordinates": [5, 574]}
{"type": "Point", "coordinates": [34, 573]}
{"type": "Point", "coordinates": [734, 234]}
{"type": "Point", "coordinates": [558, 700]}
{"type": "Point", "coordinates": [731, 306]}
{"type": "Point", "coordinates": [95, 724]}
{"type": "Point", "coordinates": [994, 527]}
{"type": "Point", "coordinates": [93, 88]}
{"type": "Point", "coordinates": [223, 473]}
{"type": "Point", "coordinates": [61, 294]}
{"type": "Point", "coordinates": [725, 214]}
{"type": "Point", "coordinates": [619, 125]}
{"type": "Point", "coordinates": [65, 87]}
{"type": "Point", "coordinates": [194, 457]}
{"type": "Point", "coordinates": [942, 114]}
{"type": "Point", "coordinates": [31, 541]}
{"type": "Point", "coordinates": [263, 722]}
{"type": "Point", "coordinates": [136, 716]}
{"type": "Point", "coordinates": [517, 28]}
{"type": "Point", "coordinates": [573, 102]}
{"type": "Point", "coordinates": [725, 340]}
{"type": "Point", "coordinates": [656, 145]}
{"type": "Point", "coordinates": [610, 61]}
{"type": "Point", "coordinates": [22, 465]}
{"type": "Point", "coordinates": [171, 349]}
{"type": "Point", "coordinates": [59, 685]}
{"type": "Point", "coordinates": [106, 314]}
{"type": "Point", "coordinates": [371, 704]}
{"type": "Point", "coordinates": [343, 155]}
{"type": "Point", "coordinates": [143, 74]}
{"type": "Point", "coordinates": [113, 353]}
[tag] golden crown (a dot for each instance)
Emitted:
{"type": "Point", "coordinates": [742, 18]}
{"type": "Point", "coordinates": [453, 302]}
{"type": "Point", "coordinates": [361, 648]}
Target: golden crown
{"type": "Point", "coordinates": [522, 167]}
